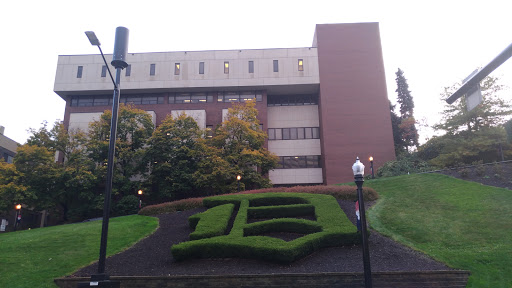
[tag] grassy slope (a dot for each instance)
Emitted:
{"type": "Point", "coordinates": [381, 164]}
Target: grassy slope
{"type": "Point", "coordinates": [463, 224]}
{"type": "Point", "coordinates": [33, 258]}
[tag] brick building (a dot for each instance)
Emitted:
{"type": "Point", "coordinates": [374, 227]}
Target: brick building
{"type": "Point", "coordinates": [321, 105]}
{"type": "Point", "coordinates": [8, 147]}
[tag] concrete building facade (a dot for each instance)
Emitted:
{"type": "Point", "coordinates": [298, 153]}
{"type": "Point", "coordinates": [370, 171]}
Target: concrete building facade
{"type": "Point", "coordinates": [8, 147]}
{"type": "Point", "coordinates": [321, 106]}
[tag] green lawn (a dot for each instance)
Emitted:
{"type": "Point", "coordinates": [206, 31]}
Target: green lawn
{"type": "Point", "coordinates": [33, 258]}
{"type": "Point", "coordinates": [463, 224]}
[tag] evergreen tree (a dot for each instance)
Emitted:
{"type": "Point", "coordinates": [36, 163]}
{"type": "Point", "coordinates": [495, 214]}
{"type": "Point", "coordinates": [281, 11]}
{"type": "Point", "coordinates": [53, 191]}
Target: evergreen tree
{"type": "Point", "coordinates": [408, 131]}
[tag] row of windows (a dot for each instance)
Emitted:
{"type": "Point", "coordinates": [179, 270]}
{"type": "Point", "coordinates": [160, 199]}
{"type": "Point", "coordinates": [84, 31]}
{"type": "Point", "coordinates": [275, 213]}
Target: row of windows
{"type": "Point", "coordinates": [292, 100]}
{"type": "Point", "coordinates": [177, 68]}
{"type": "Point", "coordinates": [103, 100]}
{"type": "Point", "coordinates": [297, 162]}
{"type": "Point", "coordinates": [293, 133]}
{"type": "Point", "coordinates": [178, 98]}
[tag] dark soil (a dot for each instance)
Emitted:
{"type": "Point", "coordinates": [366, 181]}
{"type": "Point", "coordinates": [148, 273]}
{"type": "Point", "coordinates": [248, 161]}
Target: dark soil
{"type": "Point", "coordinates": [498, 175]}
{"type": "Point", "coordinates": [152, 256]}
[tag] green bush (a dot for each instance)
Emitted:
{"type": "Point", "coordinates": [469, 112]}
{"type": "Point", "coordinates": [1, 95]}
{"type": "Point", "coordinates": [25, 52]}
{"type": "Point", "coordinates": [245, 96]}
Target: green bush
{"type": "Point", "coordinates": [126, 206]}
{"type": "Point", "coordinates": [403, 165]}
{"type": "Point", "coordinates": [210, 223]}
{"type": "Point", "coordinates": [171, 207]}
{"type": "Point", "coordinates": [331, 228]}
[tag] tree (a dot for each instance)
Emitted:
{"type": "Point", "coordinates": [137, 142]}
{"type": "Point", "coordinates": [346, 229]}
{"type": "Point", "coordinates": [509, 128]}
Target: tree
{"type": "Point", "coordinates": [407, 127]}
{"type": "Point", "coordinates": [133, 131]}
{"type": "Point", "coordinates": [12, 190]}
{"type": "Point", "coordinates": [171, 158]}
{"type": "Point", "coordinates": [397, 135]}
{"type": "Point", "coordinates": [470, 136]}
{"type": "Point", "coordinates": [490, 113]}
{"type": "Point", "coordinates": [241, 141]}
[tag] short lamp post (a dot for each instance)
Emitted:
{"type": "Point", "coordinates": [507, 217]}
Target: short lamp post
{"type": "Point", "coordinates": [238, 178]}
{"type": "Point", "coordinates": [140, 198]}
{"type": "Point", "coordinates": [371, 166]}
{"type": "Point", "coordinates": [101, 279]}
{"type": "Point", "coordinates": [358, 169]}
{"type": "Point", "coordinates": [17, 220]}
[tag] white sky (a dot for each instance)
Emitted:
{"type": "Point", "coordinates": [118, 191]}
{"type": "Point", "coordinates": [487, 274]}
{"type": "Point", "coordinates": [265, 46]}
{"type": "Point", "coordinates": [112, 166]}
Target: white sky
{"type": "Point", "coordinates": [435, 43]}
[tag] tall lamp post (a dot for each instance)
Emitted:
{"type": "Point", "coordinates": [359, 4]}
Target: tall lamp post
{"type": "Point", "coordinates": [238, 178]}
{"type": "Point", "coordinates": [140, 198]}
{"type": "Point", "coordinates": [101, 279]}
{"type": "Point", "coordinates": [371, 166]}
{"type": "Point", "coordinates": [18, 216]}
{"type": "Point", "coordinates": [358, 169]}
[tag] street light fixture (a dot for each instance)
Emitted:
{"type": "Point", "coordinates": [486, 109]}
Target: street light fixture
{"type": "Point", "coordinates": [140, 198]}
{"type": "Point", "coordinates": [358, 169]}
{"type": "Point", "coordinates": [18, 216]}
{"type": "Point", "coordinates": [371, 166]}
{"type": "Point", "coordinates": [238, 178]}
{"type": "Point", "coordinates": [101, 279]}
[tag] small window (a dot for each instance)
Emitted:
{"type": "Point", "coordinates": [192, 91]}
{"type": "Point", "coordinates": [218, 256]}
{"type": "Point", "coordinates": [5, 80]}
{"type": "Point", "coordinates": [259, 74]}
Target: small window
{"type": "Point", "coordinates": [103, 71]}
{"type": "Point", "coordinates": [226, 67]}
{"type": "Point", "coordinates": [301, 65]}
{"type": "Point", "coordinates": [316, 133]}
{"type": "Point", "coordinates": [276, 66]}
{"type": "Point", "coordinates": [201, 67]}
{"type": "Point", "coordinates": [259, 97]}
{"type": "Point", "coordinates": [128, 70]}
{"type": "Point", "coordinates": [176, 68]}
{"type": "Point", "coordinates": [171, 99]}
{"type": "Point", "coordinates": [300, 133]}
{"type": "Point", "coordinates": [100, 101]}
{"type": "Point", "coordinates": [152, 68]}
{"type": "Point", "coordinates": [286, 133]}
{"type": "Point", "coordinates": [271, 134]}
{"type": "Point", "coordinates": [261, 127]}
{"type": "Point", "coordinates": [308, 134]}
{"type": "Point", "coordinates": [209, 131]}
{"type": "Point", "coordinates": [209, 98]}
{"type": "Point", "coordinates": [279, 134]}
{"type": "Point", "coordinates": [251, 66]}
{"type": "Point", "coordinates": [79, 71]}
{"type": "Point", "coordinates": [293, 133]}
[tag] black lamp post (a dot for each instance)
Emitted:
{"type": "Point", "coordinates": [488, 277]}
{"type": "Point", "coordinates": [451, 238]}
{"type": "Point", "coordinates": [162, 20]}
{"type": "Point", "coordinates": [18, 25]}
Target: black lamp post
{"type": "Point", "coordinates": [371, 166]}
{"type": "Point", "coordinates": [18, 216]}
{"type": "Point", "coordinates": [358, 169]}
{"type": "Point", "coordinates": [119, 62]}
{"type": "Point", "coordinates": [238, 178]}
{"type": "Point", "coordinates": [140, 198]}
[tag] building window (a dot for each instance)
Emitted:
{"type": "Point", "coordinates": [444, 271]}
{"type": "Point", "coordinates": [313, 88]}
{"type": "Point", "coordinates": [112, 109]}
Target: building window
{"type": "Point", "coordinates": [186, 98]}
{"type": "Point", "coordinates": [152, 69]}
{"type": "Point", "coordinates": [10, 159]}
{"type": "Point", "coordinates": [299, 162]}
{"type": "Point", "coordinates": [176, 68]}
{"type": "Point", "coordinates": [301, 65]}
{"type": "Point", "coordinates": [79, 71]}
{"type": "Point", "coordinates": [226, 67]}
{"type": "Point", "coordinates": [276, 66]}
{"type": "Point", "coordinates": [103, 71]}
{"type": "Point", "coordinates": [292, 100]}
{"type": "Point", "coordinates": [201, 67]}
{"type": "Point", "coordinates": [104, 100]}
{"type": "Point", "coordinates": [251, 66]}
{"type": "Point", "coordinates": [209, 131]}
{"type": "Point", "coordinates": [298, 133]}
{"type": "Point", "coordinates": [128, 70]}
{"type": "Point", "coordinates": [240, 96]}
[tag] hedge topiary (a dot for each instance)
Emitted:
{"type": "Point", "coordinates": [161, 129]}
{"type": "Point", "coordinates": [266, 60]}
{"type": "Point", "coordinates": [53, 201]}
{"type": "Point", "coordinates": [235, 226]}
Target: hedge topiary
{"type": "Point", "coordinates": [331, 228]}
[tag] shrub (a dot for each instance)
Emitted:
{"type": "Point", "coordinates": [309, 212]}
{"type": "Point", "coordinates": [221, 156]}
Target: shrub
{"type": "Point", "coordinates": [126, 206]}
{"type": "Point", "coordinates": [464, 173]}
{"type": "Point", "coordinates": [170, 207]}
{"type": "Point", "coordinates": [210, 223]}
{"type": "Point", "coordinates": [332, 228]}
{"type": "Point", "coordinates": [342, 192]}
{"type": "Point", "coordinates": [480, 170]}
{"type": "Point", "coordinates": [403, 165]}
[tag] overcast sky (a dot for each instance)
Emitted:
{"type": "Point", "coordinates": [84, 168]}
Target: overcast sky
{"type": "Point", "coordinates": [435, 43]}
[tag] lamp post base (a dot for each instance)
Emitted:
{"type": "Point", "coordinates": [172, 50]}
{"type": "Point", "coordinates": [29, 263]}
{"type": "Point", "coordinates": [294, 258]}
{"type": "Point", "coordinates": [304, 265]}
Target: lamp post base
{"type": "Point", "coordinates": [100, 280]}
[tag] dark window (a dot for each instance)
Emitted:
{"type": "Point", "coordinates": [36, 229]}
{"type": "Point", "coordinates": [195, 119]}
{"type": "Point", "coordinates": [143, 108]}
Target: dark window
{"type": "Point", "coordinates": [209, 98]}
{"type": "Point", "coordinates": [292, 100]}
{"type": "Point", "coordinates": [261, 127]}
{"type": "Point", "coordinates": [128, 70]}
{"type": "Point", "coordinates": [134, 100]}
{"type": "Point", "coordinates": [301, 65]}
{"type": "Point", "coordinates": [271, 134]}
{"type": "Point", "coordinates": [171, 99]}
{"type": "Point", "coordinates": [201, 67]}
{"type": "Point", "coordinates": [86, 101]}
{"type": "Point", "coordinates": [152, 100]}
{"type": "Point", "coordinates": [226, 67]}
{"type": "Point", "coordinates": [286, 133]}
{"type": "Point", "coordinates": [276, 66]}
{"type": "Point", "coordinates": [182, 98]}
{"type": "Point", "coordinates": [251, 66]}
{"type": "Point", "coordinates": [231, 97]}
{"type": "Point", "coordinates": [316, 133]}
{"type": "Point", "coordinates": [209, 131]}
{"type": "Point", "coordinates": [308, 134]}
{"type": "Point", "coordinates": [297, 162]}
{"type": "Point", "coordinates": [313, 161]}
{"type": "Point", "coordinates": [293, 133]}
{"type": "Point", "coordinates": [198, 98]}
{"type": "Point", "coordinates": [79, 71]}
{"type": "Point", "coordinates": [103, 71]}
{"type": "Point", "coordinates": [259, 97]}
{"type": "Point", "coordinates": [152, 69]}
{"type": "Point", "coordinates": [100, 101]}
{"type": "Point", "coordinates": [279, 134]}
{"type": "Point", "coordinates": [245, 96]}
{"type": "Point", "coordinates": [74, 102]}
{"type": "Point", "coordinates": [176, 68]}
{"type": "Point", "coordinates": [300, 133]}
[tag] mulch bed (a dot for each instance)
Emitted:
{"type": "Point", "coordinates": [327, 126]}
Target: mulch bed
{"type": "Point", "coordinates": [152, 256]}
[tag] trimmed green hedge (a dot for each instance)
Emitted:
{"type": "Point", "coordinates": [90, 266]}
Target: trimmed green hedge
{"type": "Point", "coordinates": [331, 228]}
{"type": "Point", "coordinates": [210, 223]}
